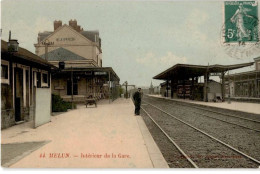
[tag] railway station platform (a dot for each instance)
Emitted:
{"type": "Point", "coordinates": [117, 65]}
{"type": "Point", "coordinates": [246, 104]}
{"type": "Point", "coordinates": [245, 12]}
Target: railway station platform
{"type": "Point", "coordinates": [109, 136]}
{"type": "Point", "coordinates": [253, 108]}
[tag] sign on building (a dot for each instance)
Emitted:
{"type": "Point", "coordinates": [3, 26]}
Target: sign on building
{"type": "Point", "coordinates": [100, 73]}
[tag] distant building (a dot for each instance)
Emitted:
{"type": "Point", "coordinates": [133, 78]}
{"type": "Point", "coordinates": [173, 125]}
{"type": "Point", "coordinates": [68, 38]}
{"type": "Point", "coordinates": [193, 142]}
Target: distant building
{"type": "Point", "coordinates": [151, 89]}
{"type": "Point", "coordinates": [78, 54]}
{"type": "Point", "coordinates": [163, 89]}
{"type": "Point", "coordinates": [157, 90]}
{"type": "Point", "coordinates": [70, 44]}
{"type": "Point", "coordinates": [245, 85]}
{"type": "Point", "coordinates": [25, 87]}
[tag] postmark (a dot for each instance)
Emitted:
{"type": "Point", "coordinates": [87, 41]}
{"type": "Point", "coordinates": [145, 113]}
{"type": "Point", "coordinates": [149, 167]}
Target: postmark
{"type": "Point", "coordinates": [240, 32]}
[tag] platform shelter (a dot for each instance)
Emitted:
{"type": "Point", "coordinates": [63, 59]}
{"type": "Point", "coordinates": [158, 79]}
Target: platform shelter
{"type": "Point", "coordinates": [184, 79]}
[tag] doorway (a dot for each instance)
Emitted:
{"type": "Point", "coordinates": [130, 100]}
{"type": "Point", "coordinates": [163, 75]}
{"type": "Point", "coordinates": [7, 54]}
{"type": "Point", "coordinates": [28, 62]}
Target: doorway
{"type": "Point", "coordinates": [75, 87]}
{"type": "Point", "coordinates": [18, 93]}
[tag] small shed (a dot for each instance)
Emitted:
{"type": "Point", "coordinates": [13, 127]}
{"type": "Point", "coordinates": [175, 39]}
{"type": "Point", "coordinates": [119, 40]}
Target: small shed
{"type": "Point", "coordinates": [25, 87]}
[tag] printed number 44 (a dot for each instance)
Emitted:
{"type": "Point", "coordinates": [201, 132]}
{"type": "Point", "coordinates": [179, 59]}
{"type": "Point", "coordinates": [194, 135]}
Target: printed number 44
{"type": "Point", "coordinates": [230, 33]}
{"type": "Point", "coordinates": [42, 155]}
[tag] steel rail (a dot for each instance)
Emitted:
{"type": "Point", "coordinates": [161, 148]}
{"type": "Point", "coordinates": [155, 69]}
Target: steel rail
{"type": "Point", "coordinates": [231, 115]}
{"type": "Point", "coordinates": [225, 144]}
{"type": "Point", "coordinates": [180, 150]}
{"type": "Point", "coordinates": [257, 130]}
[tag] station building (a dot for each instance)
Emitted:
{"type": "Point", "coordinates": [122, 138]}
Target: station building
{"type": "Point", "coordinates": [244, 86]}
{"type": "Point", "coordinates": [25, 86]}
{"type": "Point", "coordinates": [184, 81]}
{"type": "Point", "coordinates": [78, 55]}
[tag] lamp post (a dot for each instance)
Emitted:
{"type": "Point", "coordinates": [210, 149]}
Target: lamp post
{"type": "Point", "coordinates": [12, 44]}
{"type": "Point", "coordinates": [126, 94]}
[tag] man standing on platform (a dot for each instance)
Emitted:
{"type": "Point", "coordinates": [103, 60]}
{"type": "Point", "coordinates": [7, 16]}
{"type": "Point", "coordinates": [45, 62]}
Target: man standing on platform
{"type": "Point", "coordinates": [137, 101]}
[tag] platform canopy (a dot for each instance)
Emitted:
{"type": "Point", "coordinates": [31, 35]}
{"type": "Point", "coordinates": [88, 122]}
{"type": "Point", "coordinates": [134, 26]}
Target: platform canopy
{"type": "Point", "coordinates": [184, 71]}
{"type": "Point", "coordinates": [92, 71]}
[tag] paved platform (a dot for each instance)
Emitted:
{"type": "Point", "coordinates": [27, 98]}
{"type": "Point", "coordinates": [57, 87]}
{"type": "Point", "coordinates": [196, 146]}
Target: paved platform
{"type": "Point", "coordinates": [109, 136]}
{"type": "Point", "coordinates": [237, 106]}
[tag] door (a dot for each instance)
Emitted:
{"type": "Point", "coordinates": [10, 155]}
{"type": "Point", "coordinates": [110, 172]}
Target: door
{"type": "Point", "coordinates": [18, 93]}
{"type": "Point", "coordinates": [75, 87]}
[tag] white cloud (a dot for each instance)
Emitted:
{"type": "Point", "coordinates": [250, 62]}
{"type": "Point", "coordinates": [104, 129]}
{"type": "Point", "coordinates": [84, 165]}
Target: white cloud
{"type": "Point", "coordinates": [196, 18]}
{"type": "Point", "coordinates": [190, 30]}
{"type": "Point", "coordinates": [152, 61]}
{"type": "Point", "coordinates": [43, 24]}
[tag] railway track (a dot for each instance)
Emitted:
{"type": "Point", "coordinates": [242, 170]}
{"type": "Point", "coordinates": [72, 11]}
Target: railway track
{"type": "Point", "coordinates": [210, 109]}
{"type": "Point", "coordinates": [247, 123]}
{"type": "Point", "coordinates": [196, 145]}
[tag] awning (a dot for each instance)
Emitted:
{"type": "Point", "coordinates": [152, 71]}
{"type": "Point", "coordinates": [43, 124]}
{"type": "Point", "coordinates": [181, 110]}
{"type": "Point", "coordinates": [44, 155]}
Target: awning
{"type": "Point", "coordinates": [95, 71]}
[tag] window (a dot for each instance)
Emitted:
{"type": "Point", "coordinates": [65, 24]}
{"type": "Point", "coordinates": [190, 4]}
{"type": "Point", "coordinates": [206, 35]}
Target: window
{"type": "Point", "coordinates": [5, 72]}
{"type": "Point", "coordinates": [44, 79]}
{"type": "Point", "coordinates": [38, 77]}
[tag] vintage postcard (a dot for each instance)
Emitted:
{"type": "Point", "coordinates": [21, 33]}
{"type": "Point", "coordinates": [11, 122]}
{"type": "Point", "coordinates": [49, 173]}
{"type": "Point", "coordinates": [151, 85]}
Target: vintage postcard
{"type": "Point", "coordinates": [130, 84]}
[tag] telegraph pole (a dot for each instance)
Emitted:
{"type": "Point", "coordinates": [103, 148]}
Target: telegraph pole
{"type": "Point", "coordinates": [47, 43]}
{"type": "Point", "coordinates": [126, 94]}
{"type": "Point", "coordinates": [126, 85]}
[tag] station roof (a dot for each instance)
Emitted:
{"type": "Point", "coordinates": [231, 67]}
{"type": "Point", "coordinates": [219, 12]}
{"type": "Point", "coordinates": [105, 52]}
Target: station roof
{"type": "Point", "coordinates": [62, 54]}
{"type": "Point", "coordinates": [181, 71]}
{"type": "Point", "coordinates": [25, 55]}
{"type": "Point", "coordinates": [241, 74]}
{"type": "Point", "coordinates": [88, 34]}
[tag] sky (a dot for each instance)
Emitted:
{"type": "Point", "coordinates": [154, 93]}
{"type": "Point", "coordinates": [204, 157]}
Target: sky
{"type": "Point", "coordinates": [140, 39]}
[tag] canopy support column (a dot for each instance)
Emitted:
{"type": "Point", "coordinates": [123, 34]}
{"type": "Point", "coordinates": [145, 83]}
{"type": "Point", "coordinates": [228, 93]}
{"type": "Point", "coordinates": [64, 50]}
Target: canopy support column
{"type": "Point", "coordinates": [223, 85]}
{"type": "Point", "coordinates": [167, 87]}
{"type": "Point", "coordinates": [172, 80]}
{"type": "Point", "coordinates": [205, 91]}
{"type": "Point", "coordinates": [191, 89]}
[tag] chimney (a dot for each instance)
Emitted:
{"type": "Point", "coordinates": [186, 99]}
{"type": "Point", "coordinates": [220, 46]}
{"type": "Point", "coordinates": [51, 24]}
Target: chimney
{"type": "Point", "coordinates": [9, 35]}
{"type": "Point", "coordinates": [73, 24]}
{"type": "Point", "coordinates": [57, 24]}
{"type": "Point", "coordinates": [78, 28]}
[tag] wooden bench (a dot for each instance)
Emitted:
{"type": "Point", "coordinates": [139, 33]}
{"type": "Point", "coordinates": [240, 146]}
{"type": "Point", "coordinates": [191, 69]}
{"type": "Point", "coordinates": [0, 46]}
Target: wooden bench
{"type": "Point", "coordinates": [91, 101]}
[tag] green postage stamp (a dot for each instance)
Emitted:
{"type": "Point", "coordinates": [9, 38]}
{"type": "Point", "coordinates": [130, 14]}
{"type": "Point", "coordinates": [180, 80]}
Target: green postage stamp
{"type": "Point", "coordinates": [241, 21]}
{"type": "Point", "coordinates": [240, 32]}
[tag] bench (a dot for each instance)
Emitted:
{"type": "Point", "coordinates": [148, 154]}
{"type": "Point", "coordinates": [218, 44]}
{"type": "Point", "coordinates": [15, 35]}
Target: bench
{"type": "Point", "coordinates": [91, 101]}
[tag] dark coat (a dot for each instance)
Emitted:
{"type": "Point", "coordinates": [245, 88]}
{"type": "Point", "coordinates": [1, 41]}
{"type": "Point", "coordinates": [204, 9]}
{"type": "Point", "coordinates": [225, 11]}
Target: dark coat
{"type": "Point", "coordinates": [137, 98]}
